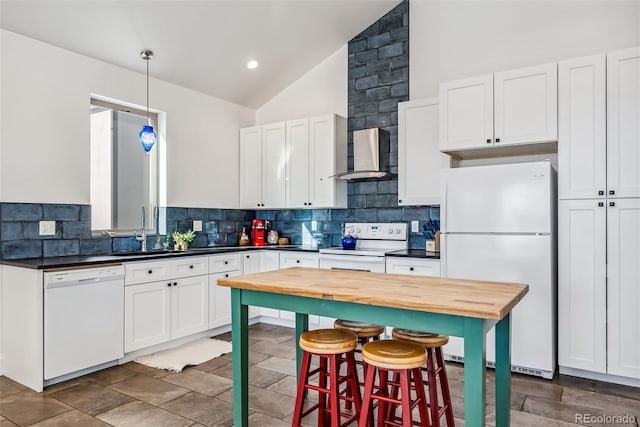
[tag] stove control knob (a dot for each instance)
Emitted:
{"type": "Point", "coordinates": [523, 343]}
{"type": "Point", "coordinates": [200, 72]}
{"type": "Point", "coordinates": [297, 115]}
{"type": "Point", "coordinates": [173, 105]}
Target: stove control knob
{"type": "Point", "coordinates": [398, 231]}
{"type": "Point", "coordinates": [390, 231]}
{"type": "Point", "coordinates": [358, 230]}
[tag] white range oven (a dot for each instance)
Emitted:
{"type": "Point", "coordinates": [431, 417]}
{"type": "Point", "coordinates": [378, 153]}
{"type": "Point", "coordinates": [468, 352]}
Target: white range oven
{"type": "Point", "coordinates": [374, 240]}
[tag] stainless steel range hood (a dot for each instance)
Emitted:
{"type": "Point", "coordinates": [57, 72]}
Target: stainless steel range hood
{"type": "Point", "coordinates": [366, 156]}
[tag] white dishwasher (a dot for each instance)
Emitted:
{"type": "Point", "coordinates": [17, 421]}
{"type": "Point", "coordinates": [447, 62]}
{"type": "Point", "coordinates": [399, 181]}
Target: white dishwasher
{"type": "Point", "coordinates": [83, 319]}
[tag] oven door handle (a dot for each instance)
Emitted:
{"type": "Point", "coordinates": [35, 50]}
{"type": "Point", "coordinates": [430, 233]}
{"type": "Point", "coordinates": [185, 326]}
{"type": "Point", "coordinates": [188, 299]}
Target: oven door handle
{"type": "Point", "coordinates": [359, 259]}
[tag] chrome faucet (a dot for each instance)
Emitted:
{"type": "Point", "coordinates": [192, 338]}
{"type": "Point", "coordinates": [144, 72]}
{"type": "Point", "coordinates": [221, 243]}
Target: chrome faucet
{"type": "Point", "coordinates": [142, 237]}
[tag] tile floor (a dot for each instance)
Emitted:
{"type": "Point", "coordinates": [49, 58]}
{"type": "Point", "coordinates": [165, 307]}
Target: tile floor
{"type": "Point", "coordinates": [135, 395]}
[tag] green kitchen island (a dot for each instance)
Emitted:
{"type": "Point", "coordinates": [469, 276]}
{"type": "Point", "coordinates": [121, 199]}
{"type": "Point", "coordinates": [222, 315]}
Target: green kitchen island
{"type": "Point", "coordinates": [456, 307]}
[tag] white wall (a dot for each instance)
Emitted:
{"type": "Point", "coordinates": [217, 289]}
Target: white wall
{"type": "Point", "coordinates": [44, 129]}
{"type": "Point", "coordinates": [449, 40]}
{"type": "Point", "coordinates": [322, 90]}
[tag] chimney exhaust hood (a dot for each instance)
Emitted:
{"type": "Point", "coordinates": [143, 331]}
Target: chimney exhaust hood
{"type": "Point", "coordinates": [366, 154]}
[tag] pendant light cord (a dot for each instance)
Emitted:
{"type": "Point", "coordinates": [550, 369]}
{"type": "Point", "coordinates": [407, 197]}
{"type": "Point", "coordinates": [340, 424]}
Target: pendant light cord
{"type": "Point", "coordinates": [148, 122]}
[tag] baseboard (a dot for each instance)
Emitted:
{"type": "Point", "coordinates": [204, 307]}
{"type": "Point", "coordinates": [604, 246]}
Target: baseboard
{"type": "Point", "coordinates": [598, 376]}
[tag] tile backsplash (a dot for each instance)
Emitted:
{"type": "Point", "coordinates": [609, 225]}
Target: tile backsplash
{"type": "Point", "coordinates": [19, 227]}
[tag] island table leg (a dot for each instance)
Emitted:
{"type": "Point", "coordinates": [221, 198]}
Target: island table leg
{"type": "Point", "coordinates": [302, 326]}
{"type": "Point", "coordinates": [240, 358]}
{"type": "Point", "coordinates": [474, 372]}
{"type": "Point", "coordinates": [503, 371]}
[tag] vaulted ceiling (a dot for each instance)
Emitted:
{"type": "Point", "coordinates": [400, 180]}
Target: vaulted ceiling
{"type": "Point", "coordinates": [201, 45]}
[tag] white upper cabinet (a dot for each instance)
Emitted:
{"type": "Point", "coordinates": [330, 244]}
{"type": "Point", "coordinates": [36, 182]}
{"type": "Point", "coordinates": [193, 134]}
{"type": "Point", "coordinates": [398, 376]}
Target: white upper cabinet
{"type": "Point", "coordinates": [251, 167]}
{"type": "Point", "coordinates": [292, 164]}
{"type": "Point", "coordinates": [466, 113]}
{"type": "Point", "coordinates": [419, 159]}
{"type": "Point", "coordinates": [273, 165]}
{"type": "Point", "coordinates": [262, 158]}
{"type": "Point", "coordinates": [328, 156]}
{"type": "Point", "coordinates": [297, 169]}
{"type": "Point", "coordinates": [512, 109]}
{"type": "Point", "coordinates": [526, 105]}
{"type": "Point", "coordinates": [623, 123]}
{"type": "Point", "coordinates": [582, 143]}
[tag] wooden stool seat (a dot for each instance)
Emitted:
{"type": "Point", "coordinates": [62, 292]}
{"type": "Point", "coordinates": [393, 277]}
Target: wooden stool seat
{"type": "Point", "coordinates": [363, 330]}
{"type": "Point", "coordinates": [328, 341]}
{"type": "Point", "coordinates": [425, 339]}
{"type": "Point", "coordinates": [391, 354]}
{"type": "Point", "coordinates": [403, 360]}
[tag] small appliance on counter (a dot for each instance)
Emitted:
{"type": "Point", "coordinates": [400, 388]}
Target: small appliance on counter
{"type": "Point", "coordinates": [258, 232]}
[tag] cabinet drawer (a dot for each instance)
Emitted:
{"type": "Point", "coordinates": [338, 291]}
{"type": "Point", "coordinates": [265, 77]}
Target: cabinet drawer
{"type": "Point", "coordinates": [191, 266]}
{"type": "Point", "coordinates": [298, 259]}
{"type": "Point", "coordinates": [147, 271]}
{"type": "Point", "coordinates": [222, 263]}
{"type": "Point", "coordinates": [414, 266]}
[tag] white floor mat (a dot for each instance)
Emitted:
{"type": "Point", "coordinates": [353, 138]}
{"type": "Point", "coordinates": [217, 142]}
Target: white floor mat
{"type": "Point", "coordinates": [193, 353]}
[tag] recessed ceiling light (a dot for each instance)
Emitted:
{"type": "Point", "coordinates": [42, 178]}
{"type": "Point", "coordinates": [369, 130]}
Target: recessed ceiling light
{"type": "Point", "coordinates": [252, 65]}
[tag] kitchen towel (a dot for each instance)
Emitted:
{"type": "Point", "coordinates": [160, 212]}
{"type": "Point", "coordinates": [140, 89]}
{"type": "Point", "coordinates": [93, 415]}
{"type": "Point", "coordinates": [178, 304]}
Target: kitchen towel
{"type": "Point", "coordinates": [193, 353]}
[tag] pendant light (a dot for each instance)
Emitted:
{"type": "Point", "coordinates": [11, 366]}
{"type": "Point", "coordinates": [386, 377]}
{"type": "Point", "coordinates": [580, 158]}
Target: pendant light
{"type": "Point", "coordinates": [147, 136]}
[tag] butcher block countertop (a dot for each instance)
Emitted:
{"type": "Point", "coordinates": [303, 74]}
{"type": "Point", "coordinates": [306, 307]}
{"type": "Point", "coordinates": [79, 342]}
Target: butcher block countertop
{"type": "Point", "coordinates": [471, 298]}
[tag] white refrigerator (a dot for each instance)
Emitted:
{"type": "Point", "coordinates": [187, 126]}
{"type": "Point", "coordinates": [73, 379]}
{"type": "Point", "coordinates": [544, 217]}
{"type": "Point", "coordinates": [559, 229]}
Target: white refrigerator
{"type": "Point", "coordinates": [498, 223]}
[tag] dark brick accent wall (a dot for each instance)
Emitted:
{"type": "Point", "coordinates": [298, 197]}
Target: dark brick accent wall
{"type": "Point", "coordinates": [378, 80]}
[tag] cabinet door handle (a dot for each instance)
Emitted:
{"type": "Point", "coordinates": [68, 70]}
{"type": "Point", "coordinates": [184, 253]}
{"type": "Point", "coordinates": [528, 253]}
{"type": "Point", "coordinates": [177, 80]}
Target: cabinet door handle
{"type": "Point", "coordinates": [175, 283]}
{"type": "Point", "coordinates": [497, 139]}
{"type": "Point", "coordinates": [169, 284]}
{"type": "Point", "coordinates": [410, 268]}
{"type": "Point", "coordinates": [601, 204]}
{"type": "Point", "coordinates": [298, 261]}
{"type": "Point", "coordinates": [612, 203]}
{"type": "Point", "coordinates": [258, 205]}
{"type": "Point", "coordinates": [226, 275]}
{"type": "Point", "coordinates": [309, 203]}
{"type": "Point", "coordinates": [248, 256]}
{"type": "Point", "coordinates": [601, 193]}
{"type": "Point", "coordinates": [612, 192]}
{"type": "Point", "coordinates": [191, 266]}
{"type": "Point", "coordinates": [488, 140]}
{"type": "Point", "coordinates": [150, 271]}
{"type": "Point", "coordinates": [399, 200]}
{"type": "Point", "coordinates": [226, 262]}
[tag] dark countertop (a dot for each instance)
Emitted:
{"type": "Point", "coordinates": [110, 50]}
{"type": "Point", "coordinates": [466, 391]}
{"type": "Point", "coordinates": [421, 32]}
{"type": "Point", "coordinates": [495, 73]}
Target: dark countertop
{"type": "Point", "coordinates": [91, 260]}
{"type": "Point", "coordinates": [414, 253]}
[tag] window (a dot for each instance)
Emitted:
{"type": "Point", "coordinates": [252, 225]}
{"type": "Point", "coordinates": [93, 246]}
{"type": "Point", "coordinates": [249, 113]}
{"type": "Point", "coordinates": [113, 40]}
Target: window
{"type": "Point", "coordinates": [124, 180]}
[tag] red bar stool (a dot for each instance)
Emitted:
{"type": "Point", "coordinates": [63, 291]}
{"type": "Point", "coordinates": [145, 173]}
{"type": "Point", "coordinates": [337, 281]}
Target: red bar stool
{"type": "Point", "coordinates": [404, 360]}
{"type": "Point", "coordinates": [436, 370]}
{"type": "Point", "coordinates": [366, 332]}
{"type": "Point", "coordinates": [329, 345]}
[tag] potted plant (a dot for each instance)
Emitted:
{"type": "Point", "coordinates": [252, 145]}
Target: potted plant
{"type": "Point", "coordinates": [182, 240]}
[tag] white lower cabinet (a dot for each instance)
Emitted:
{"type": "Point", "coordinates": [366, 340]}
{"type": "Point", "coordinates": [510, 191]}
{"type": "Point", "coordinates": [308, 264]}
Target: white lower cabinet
{"type": "Point", "coordinates": [157, 312]}
{"type": "Point", "coordinates": [166, 309]}
{"type": "Point", "coordinates": [221, 267]}
{"type": "Point", "coordinates": [258, 262]}
{"type": "Point", "coordinates": [598, 292]}
{"type": "Point", "coordinates": [297, 259]}
{"type": "Point", "coordinates": [413, 266]}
